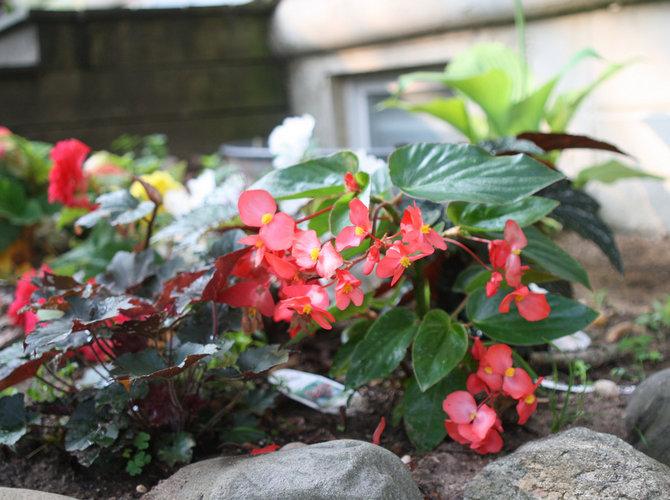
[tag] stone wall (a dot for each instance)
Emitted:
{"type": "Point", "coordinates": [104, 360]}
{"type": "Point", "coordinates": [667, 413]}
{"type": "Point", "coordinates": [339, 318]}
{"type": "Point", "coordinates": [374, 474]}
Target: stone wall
{"type": "Point", "coordinates": [201, 76]}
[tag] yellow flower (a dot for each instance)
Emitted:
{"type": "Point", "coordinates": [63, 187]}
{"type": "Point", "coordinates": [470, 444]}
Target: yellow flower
{"type": "Point", "coordinates": [161, 180]}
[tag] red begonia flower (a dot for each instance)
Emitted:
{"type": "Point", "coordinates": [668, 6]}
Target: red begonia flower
{"type": "Point", "coordinates": [527, 404]}
{"type": "Point", "coordinates": [22, 295]}
{"type": "Point", "coordinates": [254, 294]}
{"type": "Point", "coordinates": [67, 182]}
{"type": "Point", "coordinates": [305, 300]}
{"type": "Point", "coordinates": [347, 290]}
{"type": "Point", "coordinates": [258, 208]}
{"type": "Point", "coordinates": [352, 236]}
{"type": "Point", "coordinates": [504, 258]}
{"type": "Point", "coordinates": [350, 183]}
{"type": "Point", "coordinates": [475, 385]}
{"type": "Point", "coordinates": [415, 231]}
{"type": "Point", "coordinates": [478, 350]}
{"type": "Point", "coordinates": [532, 306]}
{"type": "Point", "coordinates": [397, 258]}
{"type": "Point", "coordinates": [492, 443]}
{"type": "Point", "coordinates": [372, 258]}
{"type": "Point", "coordinates": [473, 422]}
{"type": "Point", "coordinates": [309, 253]}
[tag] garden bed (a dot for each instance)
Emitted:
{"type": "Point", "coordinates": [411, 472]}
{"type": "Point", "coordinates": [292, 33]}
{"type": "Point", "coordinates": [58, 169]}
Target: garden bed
{"type": "Point", "coordinates": [441, 473]}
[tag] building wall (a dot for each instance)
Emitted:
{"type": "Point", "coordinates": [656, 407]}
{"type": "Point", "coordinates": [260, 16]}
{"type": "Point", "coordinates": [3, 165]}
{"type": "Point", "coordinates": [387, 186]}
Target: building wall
{"type": "Point", "coordinates": [201, 76]}
{"type": "Point", "coordinates": [632, 110]}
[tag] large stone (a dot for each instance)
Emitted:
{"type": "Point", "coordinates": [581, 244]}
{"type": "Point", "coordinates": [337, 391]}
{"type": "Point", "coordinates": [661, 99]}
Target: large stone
{"type": "Point", "coordinates": [336, 469]}
{"type": "Point", "coordinates": [577, 463]}
{"type": "Point", "coordinates": [648, 417]}
{"type": "Point", "coordinates": [23, 494]}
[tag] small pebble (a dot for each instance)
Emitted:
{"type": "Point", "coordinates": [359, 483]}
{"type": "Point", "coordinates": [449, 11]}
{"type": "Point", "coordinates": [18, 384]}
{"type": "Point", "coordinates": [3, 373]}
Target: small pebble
{"type": "Point", "coordinates": [606, 388]}
{"type": "Point", "coordinates": [140, 488]}
{"type": "Point", "coordinates": [406, 459]}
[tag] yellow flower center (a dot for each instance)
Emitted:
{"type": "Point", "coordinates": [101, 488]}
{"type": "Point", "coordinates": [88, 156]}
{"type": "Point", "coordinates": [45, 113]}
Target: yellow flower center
{"type": "Point", "coordinates": [472, 416]}
{"type": "Point", "coordinates": [359, 231]}
{"type": "Point", "coordinates": [425, 229]}
{"type": "Point", "coordinates": [405, 262]}
{"type": "Point", "coordinates": [488, 370]}
{"type": "Point", "coordinates": [259, 243]}
{"type": "Point", "coordinates": [267, 218]}
{"type": "Point", "coordinates": [516, 252]}
{"type": "Point", "coordinates": [518, 298]}
{"type": "Point", "coordinates": [530, 399]}
{"type": "Point", "coordinates": [347, 288]}
{"type": "Point", "coordinates": [252, 312]}
{"type": "Point", "coordinates": [307, 309]}
{"type": "Point", "coordinates": [314, 253]}
{"type": "Point", "coordinates": [510, 372]}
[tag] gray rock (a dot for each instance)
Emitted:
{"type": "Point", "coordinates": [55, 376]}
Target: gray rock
{"type": "Point", "coordinates": [575, 464]}
{"type": "Point", "coordinates": [332, 470]}
{"type": "Point", "coordinates": [647, 417]}
{"type": "Point", "coordinates": [23, 494]}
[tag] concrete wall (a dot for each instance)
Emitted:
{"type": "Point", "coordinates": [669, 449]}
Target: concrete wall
{"type": "Point", "coordinates": [632, 110]}
{"type": "Point", "coordinates": [201, 76]}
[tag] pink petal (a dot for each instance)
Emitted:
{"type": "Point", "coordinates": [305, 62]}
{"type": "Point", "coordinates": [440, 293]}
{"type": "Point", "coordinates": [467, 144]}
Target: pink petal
{"type": "Point", "coordinates": [342, 301]}
{"type": "Point", "coordinates": [279, 233]}
{"type": "Point", "coordinates": [253, 204]}
{"type": "Point", "coordinates": [452, 430]}
{"type": "Point", "coordinates": [357, 296]}
{"type": "Point", "coordinates": [498, 357]}
{"type": "Point", "coordinates": [534, 307]}
{"type": "Point", "coordinates": [492, 443]}
{"type": "Point", "coordinates": [460, 406]}
{"type": "Point", "coordinates": [387, 266]}
{"type": "Point", "coordinates": [328, 262]}
{"type": "Point", "coordinates": [348, 238]}
{"type": "Point", "coordinates": [480, 426]}
{"type": "Point", "coordinates": [514, 235]}
{"type": "Point", "coordinates": [359, 215]}
{"type": "Point", "coordinates": [519, 384]}
{"type": "Point", "coordinates": [513, 270]}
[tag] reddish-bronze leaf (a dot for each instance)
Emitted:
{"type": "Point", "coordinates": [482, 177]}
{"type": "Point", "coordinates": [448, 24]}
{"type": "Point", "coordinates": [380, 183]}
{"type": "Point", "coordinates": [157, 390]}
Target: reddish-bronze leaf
{"type": "Point", "coordinates": [553, 142]}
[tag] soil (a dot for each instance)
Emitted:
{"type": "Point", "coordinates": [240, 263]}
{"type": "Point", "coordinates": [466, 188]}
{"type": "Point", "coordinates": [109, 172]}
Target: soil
{"type": "Point", "coordinates": [441, 473]}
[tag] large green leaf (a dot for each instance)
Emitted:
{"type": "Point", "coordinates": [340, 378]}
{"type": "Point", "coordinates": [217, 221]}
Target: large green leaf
{"type": "Point", "coordinates": [423, 414]}
{"type": "Point", "coordinates": [310, 179]}
{"type": "Point", "coordinates": [609, 172]}
{"type": "Point", "coordinates": [354, 333]}
{"type": "Point", "coordinates": [15, 205]}
{"type": "Point", "coordinates": [119, 207]}
{"type": "Point", "coordinates": [567, 316]}
{"type": "Point", "coordinates": [383, 347]}
{"type": "Point", "coordinates": [482, 217]}
{"type": "Point", "coordinates": [8, 234]}
{"type": "Point", "coordinates": [338, 217]}
{"type": "Point", "coordinates": [578, 211]}
{"type": "Point", "coordinates": [462, 172]}
{"type": "Point", "coordinates": [439, 346]}
{"type": "Point", "coordinates": [544, 252]}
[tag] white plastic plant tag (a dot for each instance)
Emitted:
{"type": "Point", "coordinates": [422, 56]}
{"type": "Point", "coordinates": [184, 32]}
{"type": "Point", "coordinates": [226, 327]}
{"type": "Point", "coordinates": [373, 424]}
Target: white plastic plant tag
{"type": "Point", "coordinates": [316, 391]}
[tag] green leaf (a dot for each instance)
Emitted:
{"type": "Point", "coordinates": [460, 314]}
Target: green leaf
{"type": "Point", "coordinates": [578, 211]}
{"type": "Point", "coordinates": [8, 234]}
{"type": "Point", "coordinates": [178, 448]}
{"type": "Point", "coordinates": [12, 419]}
{"type": "Point", "coordinates": [610, 172]}
{"type": "Point", "coordinates": [354, 333]}
{"type": "Point", "coordinates": [527, 114]}
{"type": "Point", "coordinates": [383, 347]}
{"type": "Point", "coordinates": [471, 278]}
{"type": "Point", "coordinates": [310, 179]}
{"type": "Point", "coordinates": [15, 204]}
{"type": "Point", "coordinates": [119, 207]}
{"type": "Point", "coordinates": [339, 215]}
{"type": "Point", "coordinates": [451, 110]}
{"type": "Point", "coordinates": [462, 172]}
{"type": "Point", "coordinates": [423, 414]}
{"type": "Point", "coordinates": [544, 252]}
{"type": "Point", "coordinates": [438, 348]}
{"type": "Point", "coordinates": [482, 217]}
{"type": "Point", "coordinates": [260, 359]}
{"type": "Point", "coordinates": [567, 316]}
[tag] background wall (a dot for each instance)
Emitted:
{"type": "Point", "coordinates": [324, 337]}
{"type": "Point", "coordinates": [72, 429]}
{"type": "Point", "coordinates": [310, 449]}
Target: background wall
{"type": "Point", "coordinates": [632, 110]}
{"type": "Point", "coordinates": [201, 76]}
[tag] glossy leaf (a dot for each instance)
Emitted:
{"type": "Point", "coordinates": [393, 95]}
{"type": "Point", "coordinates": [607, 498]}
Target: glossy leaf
{"type": "Point", "coordinates": [451, 110]}
{"type": "Point", "coordinates": [354, 333]}
{"type": "Point", "coordinates": [439, 346]}
{"type": "Point", "coordinates": [544, 252]}
{"type": "Point", "coordinates": [383, 347]}
{"type": "Point", "coordinates": [127, 270]}
{"type": "Point", "coordinates": [15, 366]}
{"type": "Point", "coordinates": [338, 218]}
{"type": "Point", "coordinates": [567, 316]}
{"type": "Point", "coordinates": [461, 172]}
{"type": "Point", "coordinates": [610, 172]}
{"type": "Point", "coordinates": [559, 142]}
{"type": "Point", "coordinates": [481, 217]}
{"type": "Point", "coordinates": [310, 179]}
{"type": "Point", "coordinates": [423, 414]}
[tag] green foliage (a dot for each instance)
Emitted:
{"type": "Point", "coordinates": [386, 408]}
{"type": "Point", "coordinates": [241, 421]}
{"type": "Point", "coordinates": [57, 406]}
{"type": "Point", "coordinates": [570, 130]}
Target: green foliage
{"type": "Point", "coordinates": [567, 316]}
{"type": "Point", "coordinates": [461, 172]}
{"type": "Point", "coordinates": [481, 217]}
{"type": "Point", "coordinates": [177, 448]}
{"type": "Point", "coordinates": [609, 172]}
{"type": "Point", "coordinates": [13, 419]}
{"type": "Point", "coordinates": [659, 317]}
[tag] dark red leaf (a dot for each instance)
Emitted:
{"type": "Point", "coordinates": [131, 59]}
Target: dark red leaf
{"type": "Point", "coordinates": [224, 265]}
{"type": "Point", "coordinates": [20, 369]}
{"type": "Point", "coordinates": [552, 142]}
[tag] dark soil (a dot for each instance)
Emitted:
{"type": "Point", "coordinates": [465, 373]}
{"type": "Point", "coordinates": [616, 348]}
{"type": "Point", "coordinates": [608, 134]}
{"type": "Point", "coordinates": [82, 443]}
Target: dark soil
{"type": "Point", "coordinates": [441, 473]}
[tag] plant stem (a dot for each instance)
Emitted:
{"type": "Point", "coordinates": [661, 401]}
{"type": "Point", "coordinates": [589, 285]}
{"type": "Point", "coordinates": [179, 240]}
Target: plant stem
{"type": "Point", "coordinates": [459, 308]}
{"type": "Point", "coordinates": [150, 227]}
{"type": "Point", "coordinates": [315, 214]}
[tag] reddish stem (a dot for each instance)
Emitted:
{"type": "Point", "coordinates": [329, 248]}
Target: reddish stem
{"type": "Point", "coordinates": [472, 254]}
{"type": "Point", "coordinates": [315, 214]}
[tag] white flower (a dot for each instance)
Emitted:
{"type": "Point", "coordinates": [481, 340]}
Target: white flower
{"type": "Point", "coordinates": [179, 201]}
{"type": "Point", "coordinates": [533, 287]}
{"type": "Point", "coordinates": [289, 141]}
{"type": "Point", "coordinates": [368, 163]}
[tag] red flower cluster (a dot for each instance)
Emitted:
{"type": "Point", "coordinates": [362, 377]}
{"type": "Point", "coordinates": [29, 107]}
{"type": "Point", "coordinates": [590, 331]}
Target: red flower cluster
{"type": "Point", "coordinates": [304, 267]}
{"type": "Point", "coordinates": [22, 298]}
{"type": "Point", "coordinates": [505, 259]}
{"type": "Point", "coordinates": [67, 181]}
{"type": "Point", "coordinates": [478, 425]}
